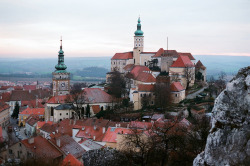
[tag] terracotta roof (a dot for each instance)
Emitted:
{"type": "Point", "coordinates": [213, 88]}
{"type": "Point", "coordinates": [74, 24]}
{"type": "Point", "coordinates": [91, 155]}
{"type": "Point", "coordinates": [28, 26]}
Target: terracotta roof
{"type": "Point", "coordinates": [33, 103]}
{"type": "Point", "coordinates": [111, 134]}
{"type": "Point", "coordinates": [138, 69]}
{"type": "Point", "coordinates": [145, 77]}
{"type": "Point", "coordinates": [43, 149]}
{"type": "Point", "coordinates": [140, 125]}
{"type": "Point", "coordinates": [35, 111]}
{"type": "Point", "coordinates": [6, 96]}
{"type": "Point", "coordinates": [41, 123]}
{"type": "Point", "coordinates": [159, 52]}
{"type": "Point", "coordinates": [70, 160]}
{"type": "Point", "coordinates": [176, 87]}
{"type": "Point", "coordinates": [200, 65]}
{"type": "Point", "coordinates": [96, 108]}
{"type": "Point", "coordinates": [96, 95]}
{"type": "Point", "coordinates": [125, 55]}
{"type": "Point", "coordinates": [58, 99]}
{"type": "Point", "coordinates": [29, 87]}
{"type": "Point", "coordinates": [49, 128]}
{"type": "Point", "coordinates": [162, 52]}
{"type": "Point", "coordinates": [32, 120]}
{"type": "Point", "coordinates": [182, 61]}
{"type": "Point", "coordinates": [41, 93]}
{"type": "Point", "coordinates": [21, 95]}
{"type": "Point", "coordinates": [90, 132]}
{"type": "Point", "coordinates": [3, 106]}
{"type": "Point", "coordinates": [145, 88]}
{"type": "Point", "coordinates": [68, 145]}
{"type": "Point", "coordinates": [128, 67]}
{"type": "Point", "coordinates": [186, 54]}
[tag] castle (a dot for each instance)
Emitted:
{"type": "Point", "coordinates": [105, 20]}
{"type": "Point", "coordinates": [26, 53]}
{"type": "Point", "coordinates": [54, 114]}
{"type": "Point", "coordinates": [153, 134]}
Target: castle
{"type": "Point", "coordinates": [145, 67]}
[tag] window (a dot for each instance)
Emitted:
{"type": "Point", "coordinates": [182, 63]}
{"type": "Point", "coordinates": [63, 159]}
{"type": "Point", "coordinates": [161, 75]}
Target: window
{"type": "Point", "coordinates": [139, 39]}
{"type": "Point", "coordinates": [141, 95]}
{"type": "Point", "coordinates": [139, 45]}
{"type": "Point", "coordinates": [176, 95]}
{"type": "Point", "coordinates": [67, 113]}
{"type": "Point", "coordinates": [152, 102]}
{"type": "Point", "coordinates": [145, 63]}
{"type": "Point", "coordinates": [10, 151]}
{"type": "Point", "coordinates": [52, 111]}
{"type": "Point", "coordinates": [20, 144]}
{"type": "Point", "coordinates": [60, 114]}
{"type": "Point", "coordinates": [145, 95]}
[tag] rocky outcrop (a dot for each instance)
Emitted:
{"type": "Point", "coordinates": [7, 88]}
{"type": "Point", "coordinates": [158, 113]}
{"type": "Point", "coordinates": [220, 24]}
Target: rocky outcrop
{"type": "Point", "coordinates": [229, 140]}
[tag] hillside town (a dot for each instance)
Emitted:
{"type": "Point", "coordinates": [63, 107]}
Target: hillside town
{"type": "Point", "coordinates": [151, 104]}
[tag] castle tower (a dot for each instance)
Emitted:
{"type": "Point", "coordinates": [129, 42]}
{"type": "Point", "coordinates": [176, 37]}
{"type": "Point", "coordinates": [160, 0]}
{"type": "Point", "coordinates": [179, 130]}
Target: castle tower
{"type": "Point", "coordinates": [138, 43]}
{"type": "Point", "coordinates": [61, 78]}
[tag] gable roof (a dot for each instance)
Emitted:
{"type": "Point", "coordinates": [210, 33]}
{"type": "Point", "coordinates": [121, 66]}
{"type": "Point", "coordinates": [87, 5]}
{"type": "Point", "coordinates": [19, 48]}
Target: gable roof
{"type": "Point", "coordinates": [162, 52]}
{"type": "Point", "coordinates": [34, 111]}
{"type": "Point", "coordinates": [3, 106]}
{"type": "Point", "coordinates": [145, 88]}
{"type": "Point", "coordinates": [32, 120]}
{"type": "Point", "coordinates": [21, 95]}
{"type": "Point", "coordinates": [182, 61]}
{"type": "Point", "coordinates": [29, 87]}
{"type": "Point", "coordinates": [41, 144]}
{"type": "Point", "coordinates": [111, 134]}
{"type": "Point", "coordinates": [138, 69]}
{"type": "Point", "coordinates": [176, 87]}
{"type": "Point", "coordinates": [91, 132]}
{"type": "Point", "coordinates": [70, 160]}
{"type": "Point", "coordinates": [96, 95]}
{"type": "Point", "coordinates": [200, 65]}
{"type": "Point", "coordinates": [145, 77]}
{"type": "Point", "coordinates": [58, 99]}
{"type": "Point", "coordinates": [68, 145]}
{"type": "Point", "coordinates": [186, 54]}
{"type": "Point", "coordinates": [125, 55]}
{"type": "Point", "coordinates": [6, 96]}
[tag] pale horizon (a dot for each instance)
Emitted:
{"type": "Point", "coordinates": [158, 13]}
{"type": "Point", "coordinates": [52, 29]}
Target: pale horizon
{"type": "Point", "coordinates": [32, 29]}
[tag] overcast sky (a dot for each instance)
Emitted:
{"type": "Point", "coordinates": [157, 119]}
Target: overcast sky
{"type": "Point", "coordinates": [32, 28]}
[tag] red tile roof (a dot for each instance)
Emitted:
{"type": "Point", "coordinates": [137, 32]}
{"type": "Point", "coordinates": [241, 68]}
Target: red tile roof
{"type": "Point", "coordinates": [162, 52]}
{"type": "Point", "coordinates": [138, 69]}
{"type": "Point", "coordinates": [96, 95]}
{"type": "Point", "coordinates": [111, 134]}
{"type": "Point", "coordinates": [125, 55]}
{"type": "Point", "coordinates": [182, 61]}
{"type": "Point", "coordinates": [176, 87]}
{"type": "Point", "coordinates": [33, 111]}
{"type": "Point", "coordinates": [33, 103]}
{"type": "Point", "coordinates": [43, 149]}
{"type": "Point", "coordinates": [21, 95]}
{"type": "Point", "coordinates": [145, 77]}
{"type": "Point", "coordinates": [140, 125]}
{"type": "Point", "coordinates": [96, 108]}
{"type": "Point", "coordinates": [3, 106]}
{"type": "Point", "coordinates": [145, 88]}
{"type": "Point", "coordinates": [68, 145]}
{"type": "Point", "coordinates": [186, 54]}
{"type": "Point", "coordinates": [58, 99]}
{"type": "Point", "coordinates": [70, 160]}
{"type": "Point", "coordinates": [159, 52]}
{"type": "Point", "coordinates": [128, 67]}
{"type": "Point", "coordinates": [200, 65]}
{"type": "Point", "coordinates": [29, 87]}
{"type": "Point", "coordinates": [41, 123]}
{"type": "Point", "coordinates": [6, 96]}
{"type": "Point", "coordinates": [32, 120]}
{"type": "Point", "coordinates": [90, 132]}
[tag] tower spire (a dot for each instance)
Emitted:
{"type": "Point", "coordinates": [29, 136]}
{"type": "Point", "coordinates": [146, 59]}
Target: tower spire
{"type": "Point", "coordinates": [61, 43]}
{"type": "Point", "coordinates": [139, 32]}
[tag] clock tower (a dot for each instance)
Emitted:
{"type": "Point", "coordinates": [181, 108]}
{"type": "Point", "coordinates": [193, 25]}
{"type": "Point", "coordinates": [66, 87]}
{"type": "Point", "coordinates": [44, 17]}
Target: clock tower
{"type": "Point", "coordinates": [61, 78]}
{"type": "Point", "coordinates": [138, 43]}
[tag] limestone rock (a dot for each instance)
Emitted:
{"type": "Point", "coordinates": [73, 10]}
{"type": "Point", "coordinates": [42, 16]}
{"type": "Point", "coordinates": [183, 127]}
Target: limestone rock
{"type": "Point", "coordinates": [229, 140]}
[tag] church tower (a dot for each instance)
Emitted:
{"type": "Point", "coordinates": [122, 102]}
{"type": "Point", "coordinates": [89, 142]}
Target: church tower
{"type": "Point", "coordinates": [138, 43]}
{"type": "Point", "coordinates": [61, 78]}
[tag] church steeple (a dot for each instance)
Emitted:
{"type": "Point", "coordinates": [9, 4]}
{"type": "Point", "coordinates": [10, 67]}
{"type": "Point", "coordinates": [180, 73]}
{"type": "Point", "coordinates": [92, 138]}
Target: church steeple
{"type": "Point", "coordinates": [139, 32]}
{"type": "Point", "coordinates": [61, 67]}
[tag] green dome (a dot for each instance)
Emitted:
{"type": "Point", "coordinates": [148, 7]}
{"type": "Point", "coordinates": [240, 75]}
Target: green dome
{"type": "Point", "coordinates": [61, 67]}
{"type": "Point", "coordinates": [139, 32]}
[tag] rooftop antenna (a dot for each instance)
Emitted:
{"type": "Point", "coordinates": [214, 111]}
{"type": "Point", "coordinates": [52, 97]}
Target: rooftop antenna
{"type": "Point", "coordinates": [61, 43]}
{"type": "Point", "coordinates": [167, 44]}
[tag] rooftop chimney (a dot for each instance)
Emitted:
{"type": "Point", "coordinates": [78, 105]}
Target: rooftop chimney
{"type": "Point", "coordinates": [31, 140]}
{"type": "Point", "coordinates": [58, 142]}
{"type": "Point", "coordinates": [94, 138]}
{"type": "Point", "coordinates": [94, 127]}
{"type": "Point", "coordinates": [103, 130]}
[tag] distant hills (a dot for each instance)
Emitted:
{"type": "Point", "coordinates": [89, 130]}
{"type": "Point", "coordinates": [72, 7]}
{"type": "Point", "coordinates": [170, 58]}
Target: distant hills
{"type": "Point", "coordinates": [97, 67]}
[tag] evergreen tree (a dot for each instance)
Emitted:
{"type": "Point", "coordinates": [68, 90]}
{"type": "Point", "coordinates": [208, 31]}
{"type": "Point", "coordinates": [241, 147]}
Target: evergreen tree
{"type": "Point", "coordinates": [15, 111]}
{"type": "Point", "coordinates": [88, 111]}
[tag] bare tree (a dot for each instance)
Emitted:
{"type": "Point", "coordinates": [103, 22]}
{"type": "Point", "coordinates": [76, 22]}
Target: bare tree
{"type": "Point", "coordinates": [162, 95]}
{"type": "Point", "coordinates": [78, 100]}
{"type": "Point", "coordinates": [189, 75]}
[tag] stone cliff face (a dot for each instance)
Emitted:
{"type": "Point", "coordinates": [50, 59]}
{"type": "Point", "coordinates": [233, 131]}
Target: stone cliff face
{"type": "Point", "coordinates": [229, 140]}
